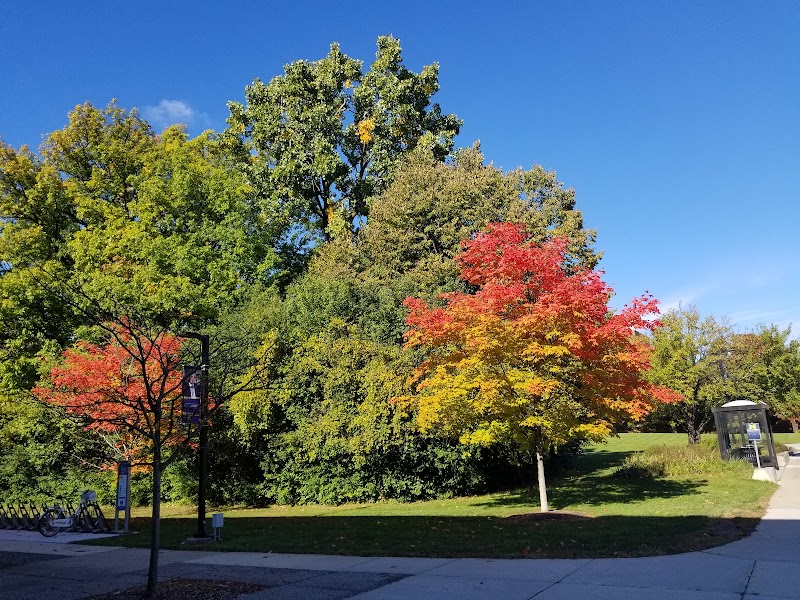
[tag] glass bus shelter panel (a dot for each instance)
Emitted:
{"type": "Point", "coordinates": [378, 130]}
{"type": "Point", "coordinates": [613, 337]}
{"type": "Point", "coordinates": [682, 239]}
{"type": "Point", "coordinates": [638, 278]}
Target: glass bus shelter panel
{"type": "Point", "coordinates": [734, 442]}
{"type": "Point", "coordinates": [735, 430]}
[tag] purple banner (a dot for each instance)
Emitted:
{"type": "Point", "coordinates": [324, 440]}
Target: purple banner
{"type": "Point", "coordinates": [192, 394]}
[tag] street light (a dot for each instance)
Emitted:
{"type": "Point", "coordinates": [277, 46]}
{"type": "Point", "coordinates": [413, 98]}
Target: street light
{"type": "Point", "coordinates": [201, 494]}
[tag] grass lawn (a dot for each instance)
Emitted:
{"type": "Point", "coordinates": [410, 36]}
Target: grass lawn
{"type": "Point", "coordinates": [787, 438]}
{"type": "Point", "coordinates": [628, 517]}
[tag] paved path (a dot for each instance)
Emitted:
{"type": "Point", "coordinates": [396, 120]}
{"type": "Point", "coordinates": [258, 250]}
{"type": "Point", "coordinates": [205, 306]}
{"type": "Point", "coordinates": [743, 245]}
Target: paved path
{"type": "Point", "coordinates": [764, 566]}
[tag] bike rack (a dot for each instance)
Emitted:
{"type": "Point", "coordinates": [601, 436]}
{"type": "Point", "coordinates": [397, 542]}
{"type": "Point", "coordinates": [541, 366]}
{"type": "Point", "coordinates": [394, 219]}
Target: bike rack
{"type": "Point", "coordinates": [105, 526]}
{"type": "Point", "coordinates": [5, 520]}
{"type": "Point", "coordinates": [27, 520]}
{"type": "Point", "coordinates": [18, 515]}
{"type": "Point", "coordinates": [36, 511]}
{"type": "Point", "coordinates": [15, 519]}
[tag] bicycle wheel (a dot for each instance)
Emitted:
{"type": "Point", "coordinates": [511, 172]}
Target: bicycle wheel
{"type": "Point", "coordinates": [46, 522]}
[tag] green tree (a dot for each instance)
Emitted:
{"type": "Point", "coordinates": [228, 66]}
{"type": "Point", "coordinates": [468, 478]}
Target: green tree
{"type": "Point", "coordinates": [325, 430]}
{"type": "Point", "coordinates": [36, 221]}
{"type": "Point", "coordinates": [324, 137]}
{"type": "Point", "coordinates": [109, 222]}
{"type": "Point", "coordinates": [419, 222]}
{"type": "Point", "coordinates": [43, 455]}
{"type": "Point", "coordinates": [765, 367]}
{"type": "Point", "coordinates": [692, 357]}
{"type": "Point", "coordinates": [185, 245]}
{"type": "Point", "coordinates": [162, 224]}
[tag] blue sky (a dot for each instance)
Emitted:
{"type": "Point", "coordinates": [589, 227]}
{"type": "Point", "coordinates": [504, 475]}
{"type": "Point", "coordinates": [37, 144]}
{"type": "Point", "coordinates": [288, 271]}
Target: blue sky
{"type": "Point", "coordinates": [678, 123]}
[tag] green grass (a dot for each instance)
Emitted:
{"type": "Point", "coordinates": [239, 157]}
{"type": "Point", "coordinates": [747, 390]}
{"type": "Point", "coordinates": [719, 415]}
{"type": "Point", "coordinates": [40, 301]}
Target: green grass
{"type": "Point", "coordinates": [683, 460]}
{"type": "Point", "coordinates": [629, 517]}
{"type": "Point", "coordinates": [787, 438]}
{"type": "Point", "coordinates": [781, 439]}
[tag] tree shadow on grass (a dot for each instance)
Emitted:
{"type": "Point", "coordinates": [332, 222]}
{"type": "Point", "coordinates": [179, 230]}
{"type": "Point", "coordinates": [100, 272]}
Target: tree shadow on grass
{"type": "Point", "coordinates": [587, 482]}
{"type": "Point", "coordinates": [590, 481]}
{"type": "Point", "coordinates": [444, 536]}
{"type": "Point", "coordinates": [596, 491]}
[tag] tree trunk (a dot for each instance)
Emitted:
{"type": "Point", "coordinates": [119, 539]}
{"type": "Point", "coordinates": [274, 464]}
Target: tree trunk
{"type": "Point", "coordinates": [693, 420]}
{"type": "Point", "coordinates": [795, 425]}
{"type": "Point", "coordinates": [692, 430]}
{"type": "Point", "coordinates": [542, 486]}
{"type": "Point", "coordinates": [155, 534]}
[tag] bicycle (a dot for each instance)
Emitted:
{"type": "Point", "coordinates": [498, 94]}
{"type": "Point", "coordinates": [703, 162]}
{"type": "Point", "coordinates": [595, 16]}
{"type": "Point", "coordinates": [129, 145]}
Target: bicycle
{"type": "Point", "coordinates": [87, 516]}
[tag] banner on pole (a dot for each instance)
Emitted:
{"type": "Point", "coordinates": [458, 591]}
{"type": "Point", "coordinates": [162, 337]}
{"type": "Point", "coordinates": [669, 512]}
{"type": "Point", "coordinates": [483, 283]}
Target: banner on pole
{"type": "Point", "coordinates": [192, 394]}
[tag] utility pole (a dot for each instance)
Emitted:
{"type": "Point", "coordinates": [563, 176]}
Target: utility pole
{"type": "Point", "coordinates": [203, 474]}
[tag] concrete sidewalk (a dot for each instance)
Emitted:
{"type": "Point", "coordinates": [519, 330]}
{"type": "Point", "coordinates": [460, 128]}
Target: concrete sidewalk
{"type": "Point", "coordinates": [764, 566]}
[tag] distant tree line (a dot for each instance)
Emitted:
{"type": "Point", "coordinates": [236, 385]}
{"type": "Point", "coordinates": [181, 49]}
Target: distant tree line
{"type": "Point", "coordinates": [709, 364]}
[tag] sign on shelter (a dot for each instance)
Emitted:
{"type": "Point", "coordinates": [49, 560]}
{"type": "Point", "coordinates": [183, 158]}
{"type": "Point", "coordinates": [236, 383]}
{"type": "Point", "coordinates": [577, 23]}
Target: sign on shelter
{"type": "Point", "coordinates": [753, 432]}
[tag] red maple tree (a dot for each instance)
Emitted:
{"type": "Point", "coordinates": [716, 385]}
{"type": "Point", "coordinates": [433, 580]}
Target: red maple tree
{"type": "Point", "coordinates": [128, 389]}
{"type": "Point", "coordinates": [534, 355]}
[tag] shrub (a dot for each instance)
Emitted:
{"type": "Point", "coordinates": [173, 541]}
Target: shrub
{"type": "Point", "coordinates": [667, 461]}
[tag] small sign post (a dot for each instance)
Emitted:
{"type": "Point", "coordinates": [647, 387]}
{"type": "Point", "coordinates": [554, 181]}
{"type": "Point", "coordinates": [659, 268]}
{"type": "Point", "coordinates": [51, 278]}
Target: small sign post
{"type": "Point", "coordinates": [123, 502]}
{"type": "Point", "coordinates": [217, 520]}
{"type": "Point", "coordinates": [754, 435]}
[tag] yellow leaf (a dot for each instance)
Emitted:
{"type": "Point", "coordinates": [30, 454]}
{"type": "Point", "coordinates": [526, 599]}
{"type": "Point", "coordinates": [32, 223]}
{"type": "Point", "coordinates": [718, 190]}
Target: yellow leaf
{"type": "Point", "coordinates": [365, 129]}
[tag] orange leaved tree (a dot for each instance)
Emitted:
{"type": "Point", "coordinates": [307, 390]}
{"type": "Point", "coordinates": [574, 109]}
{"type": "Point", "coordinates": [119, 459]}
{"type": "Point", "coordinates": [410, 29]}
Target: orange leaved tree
{"type": "Point", "coordinates": [127, 389]}
{"type": "Point", "coordinates": [533, 355]}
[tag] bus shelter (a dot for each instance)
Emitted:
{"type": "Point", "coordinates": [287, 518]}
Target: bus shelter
{"type": "Point", "coordinates": [744, 431]}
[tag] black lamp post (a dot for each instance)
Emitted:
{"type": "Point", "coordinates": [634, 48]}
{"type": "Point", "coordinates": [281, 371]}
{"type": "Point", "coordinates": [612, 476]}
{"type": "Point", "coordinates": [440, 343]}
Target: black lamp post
{"type": "Point", "coordinates": [201, 493]}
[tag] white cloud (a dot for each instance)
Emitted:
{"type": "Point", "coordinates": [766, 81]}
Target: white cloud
{"type": "Point", "coordinates": [674, 304]}
{"type": "Point", "coordinates": [752, 315]}
{"type": "Point", "coordinates": [685, 297]}
{"type": "Point", "coordinates": [168, 112]}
